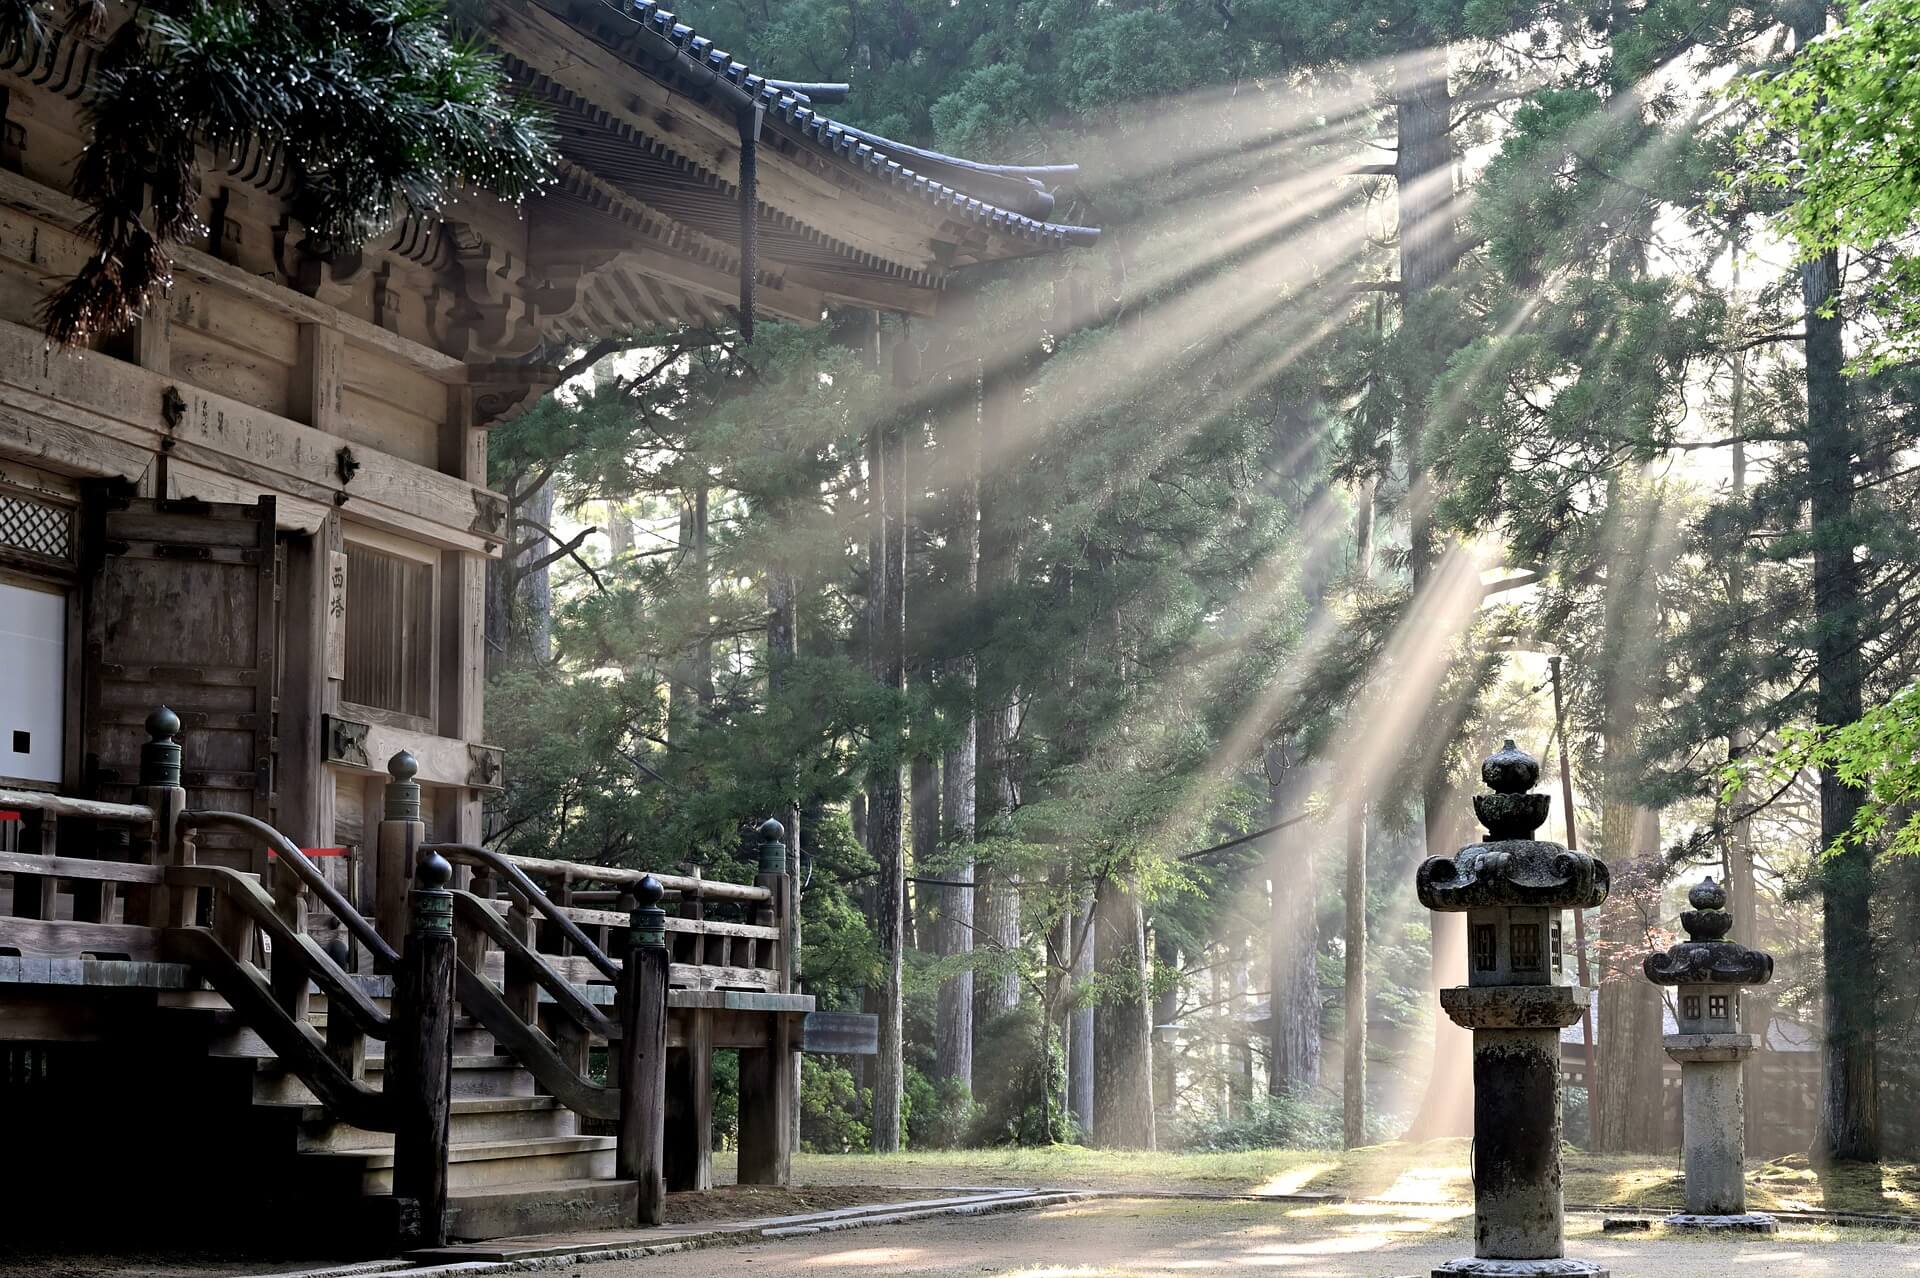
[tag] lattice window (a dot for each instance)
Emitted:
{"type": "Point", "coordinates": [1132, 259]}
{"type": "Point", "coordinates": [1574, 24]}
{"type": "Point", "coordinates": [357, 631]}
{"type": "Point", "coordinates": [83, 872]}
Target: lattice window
{"type": "Point", "coordinates": [36, 527]}
{"type": "Point", "coordinates": [1690, 1007]}
{"type": "Point", "coordinates": [1717, 1007]}
{"type": "Point", "coordinates": [390, 639]}
{"type": "Point", "coordinates": [1526, 947]}
{"type": "Point", "coordinates": [1483, 947]}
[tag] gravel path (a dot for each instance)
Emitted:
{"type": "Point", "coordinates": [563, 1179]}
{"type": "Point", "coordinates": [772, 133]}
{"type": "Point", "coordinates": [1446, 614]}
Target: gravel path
{"type": "Point", "coordinates": [1159, 1237]}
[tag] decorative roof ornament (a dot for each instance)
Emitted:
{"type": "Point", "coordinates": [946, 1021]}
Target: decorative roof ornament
{"type": "Point", "coordinates": [1706, 957]}
{"type": "Point", "coordinates": [1512, 868]}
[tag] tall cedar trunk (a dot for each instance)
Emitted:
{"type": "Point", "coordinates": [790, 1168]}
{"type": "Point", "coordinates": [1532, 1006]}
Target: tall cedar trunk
{"type": "Point", "coordinates": [953, 1009]}
{"type": "Point", "coordinates": [1294, 986]}
{"type": "Point", "coordinates": [1626, 1108]}
{"type": "Point", "coordinates": [1059, 1027]}
{"type": "Point", "coordinates": [953, 1006]}
{"type": "Point", "coordinates": [692, 684]}
{"type": "Point", "coordinates": [1353, 1065]}
{"type": "Point", "coordinates": [703, 583]}
{"type": "Point", "coordinates": [1742, 883]}
{"type": "Point", "coordinates": [1423, 166]}
{"type": "Point", "coordinates": [1239, 1042]}
{"type": "Point", "coordinates": [782, 647]}
{"type": "Point", "coordinates": [1080, 1019]}
{"type": "Point", "coordinates": [923, 914]}
{"type": "Point", "coordinates": [1850, 1105]}
{"type": "Point", "coordinates": [1122, 1051]}
{"type": "Point", "coordinates": [1353, 1072]}
{"type": "Point", "coordinates": [1627, 1111]}
{"type": "Point", "coordinates": [884, 816]}
{"type": "Point", "coordinates": [997, 905]}
{"type": "Point", "coordinates": [1164, 1009]}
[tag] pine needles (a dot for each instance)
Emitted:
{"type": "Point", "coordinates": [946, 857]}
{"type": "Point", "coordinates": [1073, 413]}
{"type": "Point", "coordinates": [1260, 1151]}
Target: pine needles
{"type": "Point", "coordinates": [375, 106]}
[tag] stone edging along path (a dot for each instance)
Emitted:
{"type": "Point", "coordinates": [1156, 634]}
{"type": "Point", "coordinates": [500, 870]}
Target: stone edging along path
{"type": "Point", "coordinates": [532, 1255]}
{"type": "Point", "coordinates": [476, 1260]}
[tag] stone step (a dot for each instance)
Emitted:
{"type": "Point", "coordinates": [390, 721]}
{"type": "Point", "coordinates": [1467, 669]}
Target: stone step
{"type": "Point", "coordinates": [476, 1075]}
{"type": "Point", "coordinates": [514, 1209]}
{"type": "Point", "coordinates": [480, 1164]}
{"type": "Point", "coordinates": [473, 1120]}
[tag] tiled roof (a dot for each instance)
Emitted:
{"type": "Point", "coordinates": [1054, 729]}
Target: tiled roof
{"type": "Point", "coordinates": [1008, 199]}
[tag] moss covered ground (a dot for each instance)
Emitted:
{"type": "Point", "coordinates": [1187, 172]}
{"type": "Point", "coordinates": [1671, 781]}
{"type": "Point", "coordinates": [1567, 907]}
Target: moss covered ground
{"type": "Point", "coordinates": [1434, 1172]}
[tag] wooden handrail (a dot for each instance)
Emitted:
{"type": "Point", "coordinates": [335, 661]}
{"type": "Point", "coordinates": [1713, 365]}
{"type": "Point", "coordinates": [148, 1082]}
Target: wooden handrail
{"type": "Point", "coordinates": [239, 889]}
{"type": "Point", "coordinates": [303, 869]}
{"type": "Point", "coordinates": [505, 867]}
{"type": "Point", "coordinates": [61, 806]}
{"type": "Point", "coordinates": [530, 1047]}
{"type": "Point", "coordinates": [708, 889]}
{"type": "Point", "coordinates": [470, 911]}
{"type": "Point", "coordinates": [294, 1042]}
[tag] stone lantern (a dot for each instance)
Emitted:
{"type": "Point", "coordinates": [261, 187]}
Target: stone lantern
{"type": "Point", "coordinates": [1512, 889]}
{"type": "Point", "coordinates": [1711, 1048]}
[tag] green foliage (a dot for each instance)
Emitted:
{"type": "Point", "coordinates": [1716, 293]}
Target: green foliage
{"type": "Point", "coordinates": [1835, 130]}
{"type": "Point", "coordinates": [1016, 1073]}
{"type": "Point", "coordinates": [376, 105]}
{"type": "Point", "coordinates": [1295, 1121]}
{"type": "Point", "coordinates": [1879, 754]}
{"type": "Point", "coordinates": [828, 1107]}
{"type": "Point", "coordinates": [938, 1113]}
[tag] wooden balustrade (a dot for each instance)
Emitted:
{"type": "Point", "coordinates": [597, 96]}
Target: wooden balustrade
{"type": "Point", "coordinates": [551, 949]}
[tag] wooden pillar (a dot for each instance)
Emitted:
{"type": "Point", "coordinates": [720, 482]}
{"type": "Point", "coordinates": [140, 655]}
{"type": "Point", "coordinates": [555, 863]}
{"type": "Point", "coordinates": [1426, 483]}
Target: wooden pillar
{"type": "Point", "coordinates": [421, 1077]}
{"type": "Point", "coordinates": [643, 1066]}
{"type": "Point", "coordinates": [690, 1106]}
{"type": "Point", "coordinates": [463, 603]}
{"type": "Point", "coordinates": [309, 690]}
{"type": "Point", "coordinates": [401, 831]}
{"type": "Point", "coordinates": [160, 789]}
{"type": "Point", "coordinates": [766, 1102]}
{"type": "Point", "coordinates": [766, 1073]}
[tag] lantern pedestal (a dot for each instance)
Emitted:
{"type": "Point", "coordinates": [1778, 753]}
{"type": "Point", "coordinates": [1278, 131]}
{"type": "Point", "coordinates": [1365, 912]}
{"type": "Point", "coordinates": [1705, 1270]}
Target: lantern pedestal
{"type": "Point", "coordinates": [1518, 1214]}
{"type": "Point", "coordinates": [1512, 888]}
{"type": "Point", "coordinates": [1707, 972]}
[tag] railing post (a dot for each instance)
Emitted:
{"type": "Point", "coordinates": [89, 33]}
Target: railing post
{"type": "Point", "coordinates": [777, 912]}
{"type": "Point", "coordinates": [160, 789]}
{"type": "Point", "coordinates": [420, 1078]}
{"type": "Point", "coordinates": [401, 831]}
{"type": "Point", "coordinates": [289, 972]}
{"type": "Point", "coordinates": [766, 1073]}
{"type": "Point", "coordinates": [643, 1048]}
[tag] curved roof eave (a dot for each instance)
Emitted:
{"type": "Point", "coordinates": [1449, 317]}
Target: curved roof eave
{"type": "Point", "coordinates": [871, 154]}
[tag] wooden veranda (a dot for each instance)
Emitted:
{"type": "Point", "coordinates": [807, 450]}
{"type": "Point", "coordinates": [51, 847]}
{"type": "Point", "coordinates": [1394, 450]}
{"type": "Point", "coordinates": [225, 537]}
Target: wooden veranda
{"type": "Point", "coordinates": [266, 508]}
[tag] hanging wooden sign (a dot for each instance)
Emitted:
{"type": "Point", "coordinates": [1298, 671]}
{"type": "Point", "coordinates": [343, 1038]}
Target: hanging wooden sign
{"type": "Point", "coordinates": [337, 614]}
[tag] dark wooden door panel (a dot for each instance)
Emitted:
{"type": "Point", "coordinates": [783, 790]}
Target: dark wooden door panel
{"type": "Point", "coordinates": [182, 611]}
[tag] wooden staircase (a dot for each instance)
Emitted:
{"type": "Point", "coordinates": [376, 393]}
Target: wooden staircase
{"type": "Point", "coordinates": [518, 1160]}
{"type": "Point", "coordinates": [312, 1075]}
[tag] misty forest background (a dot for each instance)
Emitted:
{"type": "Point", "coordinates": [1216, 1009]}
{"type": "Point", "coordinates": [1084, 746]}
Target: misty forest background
{"type": "Point", "coordinates": [1117, 643]}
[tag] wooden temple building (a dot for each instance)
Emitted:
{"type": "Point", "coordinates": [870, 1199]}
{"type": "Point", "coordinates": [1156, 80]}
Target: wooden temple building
{"type": "Point", "coordinates": [266, 509]}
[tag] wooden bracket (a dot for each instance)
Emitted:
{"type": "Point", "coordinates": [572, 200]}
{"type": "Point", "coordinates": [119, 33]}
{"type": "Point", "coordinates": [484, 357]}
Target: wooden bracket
{"type": "Point", "coordinates": [344, 741]}
{"type": "Point", "coordinates": [486, 767]}
{"type": "Point", "coordinates": [489, 514]}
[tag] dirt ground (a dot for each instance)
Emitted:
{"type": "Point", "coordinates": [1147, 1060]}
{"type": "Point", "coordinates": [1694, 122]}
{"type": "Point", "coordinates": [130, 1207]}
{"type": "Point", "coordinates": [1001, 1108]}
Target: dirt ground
{"type": "Point", "coordinates": [1126, 1237]}
{"type": "Point", "coordinates": [118, 1258]}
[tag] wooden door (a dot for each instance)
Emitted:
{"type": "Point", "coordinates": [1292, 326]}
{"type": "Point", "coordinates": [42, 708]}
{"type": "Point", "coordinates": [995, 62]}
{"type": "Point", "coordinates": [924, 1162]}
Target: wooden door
{"type": "Point", "coordinates": [181, 610]}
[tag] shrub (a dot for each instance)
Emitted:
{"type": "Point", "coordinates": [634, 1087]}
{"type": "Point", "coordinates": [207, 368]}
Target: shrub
{"type": "Point", "coordinates": [940, 1113]}
{"type": "Point", "coordinates": [829, 1108]}
{"type": "Point", "coordinates": [1016, 1075]}
{"type": "Point", "coordinates": [1299, 1120]}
